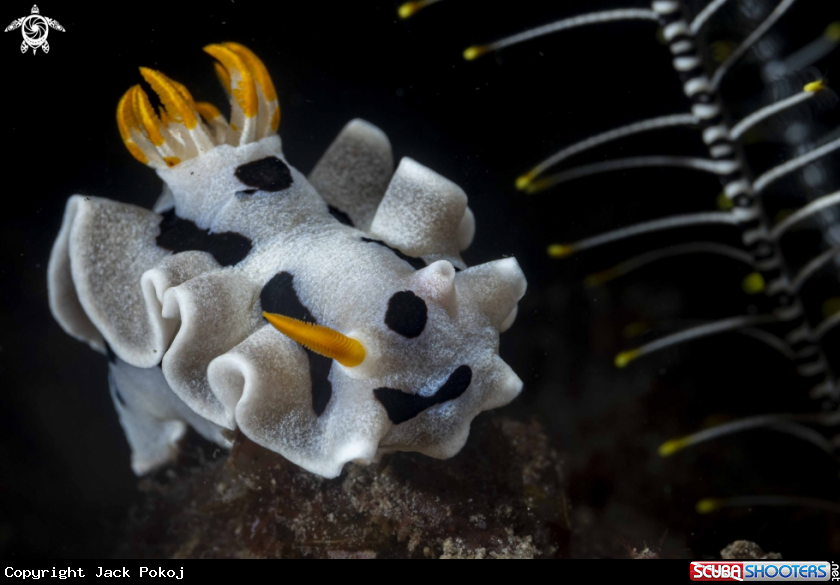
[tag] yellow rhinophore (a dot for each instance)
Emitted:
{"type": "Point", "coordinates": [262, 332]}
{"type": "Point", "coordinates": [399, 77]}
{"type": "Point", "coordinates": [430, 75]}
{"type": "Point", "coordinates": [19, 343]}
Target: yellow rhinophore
{"type": "Point", "coordinates": [323, 340]}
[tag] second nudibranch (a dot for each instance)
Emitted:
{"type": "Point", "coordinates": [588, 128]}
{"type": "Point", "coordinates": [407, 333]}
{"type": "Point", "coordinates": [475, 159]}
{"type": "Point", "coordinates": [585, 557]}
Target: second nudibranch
{"type": "Point", "coordinates": [329, 318]}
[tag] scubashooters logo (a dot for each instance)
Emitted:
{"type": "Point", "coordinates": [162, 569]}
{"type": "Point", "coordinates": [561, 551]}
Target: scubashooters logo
{"type": "Point", "coordinates": [35, 29]}
{"type": "Point", "coordinates": [762, 571]}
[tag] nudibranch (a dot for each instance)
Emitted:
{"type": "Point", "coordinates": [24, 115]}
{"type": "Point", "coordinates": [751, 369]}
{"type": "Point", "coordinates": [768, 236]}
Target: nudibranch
{"type": "Point", "coordinates": [329, 318]}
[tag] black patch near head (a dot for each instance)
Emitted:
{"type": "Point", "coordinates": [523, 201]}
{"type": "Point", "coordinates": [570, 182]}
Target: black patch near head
{"type": "Point", "coordinates": [279, 296]}
{"type": "Point", "coordinates": [319, 372]}
{"type": "Point", "coordinates": [340, 215]}
{"type": "Point", "coordinates": [407, 314]}
{"type": "Point", "coordinates": [267, 174]}
{"type": "Point", "coordinates": [416, 263]}
{"type": "Point", "coordinates": [182, 235]}
{"type": "Point", "coordinates": [401, 406]}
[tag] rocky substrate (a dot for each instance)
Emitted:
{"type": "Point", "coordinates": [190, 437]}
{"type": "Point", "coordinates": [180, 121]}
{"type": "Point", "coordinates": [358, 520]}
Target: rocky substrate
{"type": "Point", "coordinates": [501, 497]}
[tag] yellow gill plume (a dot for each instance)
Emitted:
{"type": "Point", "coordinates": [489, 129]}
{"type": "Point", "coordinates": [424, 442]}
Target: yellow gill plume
{"type": "Point", "coordinates": [184, 128]}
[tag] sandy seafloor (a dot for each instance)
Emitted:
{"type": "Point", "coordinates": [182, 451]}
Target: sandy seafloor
{"type": "Point", "coordinates": [65, 483]}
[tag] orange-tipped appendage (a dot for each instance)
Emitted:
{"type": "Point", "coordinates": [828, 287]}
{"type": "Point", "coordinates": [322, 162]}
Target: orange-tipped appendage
{"type": "Point", "coordinates": [323, 340]}
{"type": "Point", "coordinates": [256, 68]}
{"type": "Point", "coordinates": [223, 75]}
{"type": "Point", "coordinates": [177, 105]}
{"type": "Point", "coordinates": [145, 114]}
{"type": "Point", "coordinates": [245, 93]}
{"type": "Point", "coordinates": [126, 122]}
{"type": "Point", "coordinates": [207, 110]}
{"type": "Point", "coordinates": [164, 117]}
{"type": "Point", "coordinates": [183, 90]}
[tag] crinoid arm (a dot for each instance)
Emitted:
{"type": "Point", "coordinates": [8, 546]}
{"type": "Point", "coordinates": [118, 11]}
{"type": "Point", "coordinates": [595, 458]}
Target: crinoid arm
{"type": "Point", "coordinates": [24, 46]}
{"type": "Point", "coordinates": [45, 46]}
{"type": "Point", "coordinates": [477, 51]}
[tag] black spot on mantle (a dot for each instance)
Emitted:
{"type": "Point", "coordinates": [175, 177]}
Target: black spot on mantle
{"type": "Point", "coordinates": [267, 174]}
{"type": "Point", "coordinates": [407, 314]}
{"type": "Point", "coordinates": [182, 235]}
{"type": "Point", "coordinates": [416, 263]}
{"type": "Point", "coordinates": [279, 296]}
{"type": "Point", "coordinates": [401, 406]}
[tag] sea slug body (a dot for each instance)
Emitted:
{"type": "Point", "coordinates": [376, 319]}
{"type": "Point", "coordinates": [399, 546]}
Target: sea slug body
{"type": "Point", "coordinates": [329, 318]}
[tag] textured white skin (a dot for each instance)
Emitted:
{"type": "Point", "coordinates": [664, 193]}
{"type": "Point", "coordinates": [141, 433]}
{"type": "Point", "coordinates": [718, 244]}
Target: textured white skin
{"type": "Point", "coordinates": [108, 279]}
{"type": "Point", "coordinates": [153, 417]}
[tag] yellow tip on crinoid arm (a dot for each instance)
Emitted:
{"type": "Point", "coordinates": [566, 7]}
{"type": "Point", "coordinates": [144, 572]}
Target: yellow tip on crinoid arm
{"type": "Point", "coordinates": [832, 32]}
{"type": "Point", "coordinates": [625, 357]}
{"type": "Point", "coordinates": [409, 9]}
{"type": "Point", "coordinates": [708, 505]}
{"type": "Point", "coordinates": [670, 447]}
{"type": "Point", "coordinates": [561, 250]}
{"type": "Point", "coordinates": [815, 86]}
{"type": "Point", "coordinates": [323, 340]}
{"type": "Point", "coordinates": [523, 181]}
{"type": "Point", "coordinates": [474, 52]}
{"type": "Point", "coordinates": [753, 283]}
{"type": "Point", "coordinates": [601, 278]}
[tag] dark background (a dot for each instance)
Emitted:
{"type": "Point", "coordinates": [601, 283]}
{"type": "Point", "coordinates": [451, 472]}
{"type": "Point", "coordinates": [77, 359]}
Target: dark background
{"type": "Point", "coordinates": [65, 482]}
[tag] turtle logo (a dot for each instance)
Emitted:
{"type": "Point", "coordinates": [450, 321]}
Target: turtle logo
{"type": "Point", "coordinates": [35, 28]}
